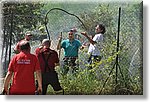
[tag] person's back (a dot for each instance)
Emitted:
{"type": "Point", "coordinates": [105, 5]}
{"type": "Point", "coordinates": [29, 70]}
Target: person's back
{"type": "Point", "coordinates": [50, 56]}
{"type": "Point", "coordinates": [23, 66]}
{"type": "Point", "coordinates": [48, 60]}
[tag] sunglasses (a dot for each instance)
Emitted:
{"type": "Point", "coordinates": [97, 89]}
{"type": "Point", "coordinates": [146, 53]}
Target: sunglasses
{"type": "Point", "coordinates": [70, 33]}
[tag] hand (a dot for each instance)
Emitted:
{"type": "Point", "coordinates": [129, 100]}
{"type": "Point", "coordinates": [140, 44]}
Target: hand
{"type": "Point", "coordinates": [4, 92]}
{"type": "Point", "coordinates": [39, 90]}
{"type": "Point", "coordinates": [84, 33]}
{"type": "Point", "coordinates": [60, 37]}
{"type": "Point", "coordinates": [82, 47]}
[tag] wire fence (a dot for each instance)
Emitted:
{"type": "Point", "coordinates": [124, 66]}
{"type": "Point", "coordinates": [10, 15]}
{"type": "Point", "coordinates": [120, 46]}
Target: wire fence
{"type": "Point", "coordinates": [130, 49]}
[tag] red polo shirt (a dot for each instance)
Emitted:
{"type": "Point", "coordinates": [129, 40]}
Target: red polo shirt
{"type": "Point", "coordinates": [51, 61]}
{"type": "Point", "coordinates": [23, 65]}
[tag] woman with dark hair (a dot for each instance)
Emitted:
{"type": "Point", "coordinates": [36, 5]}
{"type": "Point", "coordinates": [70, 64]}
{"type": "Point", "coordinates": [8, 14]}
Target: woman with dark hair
{"type": "Point", "coordinates": [95, 43]}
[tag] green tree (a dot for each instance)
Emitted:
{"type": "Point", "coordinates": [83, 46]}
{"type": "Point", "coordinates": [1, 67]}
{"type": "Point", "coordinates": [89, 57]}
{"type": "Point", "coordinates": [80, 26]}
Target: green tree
{"type": "Point", "coordinates": [18, 17]}
{"type": "Point", "coordinates": [23, 16]}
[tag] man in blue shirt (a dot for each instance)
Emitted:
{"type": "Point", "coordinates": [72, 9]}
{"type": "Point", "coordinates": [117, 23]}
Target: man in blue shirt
{"type": "Point", "coordinates": [71, 47]}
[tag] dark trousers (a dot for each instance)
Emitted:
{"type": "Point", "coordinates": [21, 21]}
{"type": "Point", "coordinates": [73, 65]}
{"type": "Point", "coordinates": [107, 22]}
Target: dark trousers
{"type": "Point", "coordinates": [93, 59]}
{"type": "Point", "coordinates": [69, 62]}
{"type": "Point", "coordinates": [52, 79]}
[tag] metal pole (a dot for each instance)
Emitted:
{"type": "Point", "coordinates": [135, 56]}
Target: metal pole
{"type": "Point", "coordinates": [118, 45]}
{"type": "Point", "coordinates": [116, 63]}
{"type": "Point", "coordinates": [60, 48]}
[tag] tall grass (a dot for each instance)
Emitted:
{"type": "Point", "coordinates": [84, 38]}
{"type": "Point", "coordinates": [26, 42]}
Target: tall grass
{"type": "Point", "coordinates": [90, 82]}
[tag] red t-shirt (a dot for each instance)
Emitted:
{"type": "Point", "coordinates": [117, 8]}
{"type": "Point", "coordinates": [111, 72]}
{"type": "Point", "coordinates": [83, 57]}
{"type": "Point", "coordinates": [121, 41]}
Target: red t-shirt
{"type": "Point", "coordinates": [23, 65]}
{"type": "Point", "coordinates": [51, 61]}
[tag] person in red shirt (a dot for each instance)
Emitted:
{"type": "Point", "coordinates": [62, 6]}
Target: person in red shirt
{"type": "Point", "coordinates": [48, 59]}
{"type": "Point", "coordinates": [28, 36]}
{"type": "Point", "coordinates": [38, 49]}
{"type": "Point", "coordinates": [22, 67]}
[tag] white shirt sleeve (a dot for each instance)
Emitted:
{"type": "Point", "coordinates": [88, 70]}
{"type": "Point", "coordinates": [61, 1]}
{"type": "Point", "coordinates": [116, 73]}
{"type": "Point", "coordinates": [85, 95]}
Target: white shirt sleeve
{"type": "Point", "coordinates": [99, 40]}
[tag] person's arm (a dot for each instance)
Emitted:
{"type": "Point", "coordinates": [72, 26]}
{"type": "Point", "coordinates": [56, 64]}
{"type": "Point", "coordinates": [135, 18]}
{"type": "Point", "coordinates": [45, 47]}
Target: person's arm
{"type": "Point", "coordinates": [57, 64]}
{"type": "Point", "coordinates": [82, 47]}
{"type": "Point", "coordinates": [59, 45]}
{"type": "Point", "coordinates": [90, 39]}
{"type": "Point", "coordinates": [39, 79]}
{"type": "Point", "coordinates": [16, 49]}
{"type": "Point", "coordinates": [59, 42]}
{"type": "Point", "coordinates": [56, 59]}
{"type": "Point", "coordinates": [7, 81]}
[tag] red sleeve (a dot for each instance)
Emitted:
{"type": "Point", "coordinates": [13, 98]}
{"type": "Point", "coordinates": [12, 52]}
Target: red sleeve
{"type": "Point", "coordinates": [57, 59]}
{"type": "Point", "coordinates": [36, 51]}
{"type": "Point", "coordinates": [12, 64]}
{"type": "Point", "coordinates": [37, 64]}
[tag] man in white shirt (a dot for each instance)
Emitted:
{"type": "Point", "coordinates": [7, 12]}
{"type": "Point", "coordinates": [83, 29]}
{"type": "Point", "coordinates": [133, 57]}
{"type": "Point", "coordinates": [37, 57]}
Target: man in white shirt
{"type": "Point", "coordinates": [95, 43]}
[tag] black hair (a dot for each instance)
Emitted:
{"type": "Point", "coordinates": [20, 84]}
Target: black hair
{"type": "Point", "coordinates": [25, 45]}
{"type": "Point", "coordinates": [102, 27]}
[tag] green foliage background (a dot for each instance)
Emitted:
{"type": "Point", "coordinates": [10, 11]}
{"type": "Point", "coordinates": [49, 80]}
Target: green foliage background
{"type": "Point", "coordinates": [130, 68]}
{"type": "Point", "coordinates": [30, 16]}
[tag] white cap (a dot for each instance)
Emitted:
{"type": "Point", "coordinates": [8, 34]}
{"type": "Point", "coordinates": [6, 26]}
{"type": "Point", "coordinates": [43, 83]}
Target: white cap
{"type": "Point", "coordinates": [45, 40]}
{"type": "Point", "coordinates": [28, 33]}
